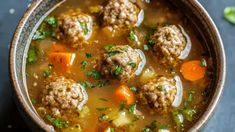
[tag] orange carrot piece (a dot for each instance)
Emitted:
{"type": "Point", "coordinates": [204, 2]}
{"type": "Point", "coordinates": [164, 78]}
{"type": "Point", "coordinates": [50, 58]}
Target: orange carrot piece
{"type": "Point", "coordinates": [61, 61]}
{"type": "Point", "coordinates": [123, 93]}
{"type": "Point", "coordinates": [192, 70]}
{"type": "Point", "coordinates": [58, 48]}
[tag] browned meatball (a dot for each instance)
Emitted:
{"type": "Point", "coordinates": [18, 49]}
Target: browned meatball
{"type": "Point", "coordinates": [158, 94]}
{"type": "Point", "coordinates": [75, 28]}
{"type": "Point", "coordinates": [61, 93]}
{"type": "Point", "coordinates": [120, 61]}
{"type": "Point", "coordinates": [169, 43]}
{"type": "Point", "coordinates": [122, 13]}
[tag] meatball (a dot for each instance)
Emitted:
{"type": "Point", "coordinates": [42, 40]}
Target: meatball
{"type": "Point", "coordinates": [61, 93]}
{"type": "Point", "coordinates": [158, 94]}
{"type": "Point", "coordinates": [75, 28]}
{"type": "Point", "coordinates": [169, 43]}
{"type": "Point", "coordinates": [120, 61]}
{"type": "Point", "coordinates": [122, 13]}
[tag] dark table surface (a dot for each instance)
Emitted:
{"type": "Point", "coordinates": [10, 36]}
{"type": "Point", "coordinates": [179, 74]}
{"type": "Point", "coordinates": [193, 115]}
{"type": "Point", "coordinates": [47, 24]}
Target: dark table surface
{"type": "Point", "coordinates": [12, 10]}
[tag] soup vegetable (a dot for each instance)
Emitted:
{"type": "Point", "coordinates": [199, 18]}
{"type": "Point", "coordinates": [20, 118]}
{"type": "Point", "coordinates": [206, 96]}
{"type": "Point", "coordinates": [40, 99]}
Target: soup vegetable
{"type": "Point", "coordinates": [118, 65]}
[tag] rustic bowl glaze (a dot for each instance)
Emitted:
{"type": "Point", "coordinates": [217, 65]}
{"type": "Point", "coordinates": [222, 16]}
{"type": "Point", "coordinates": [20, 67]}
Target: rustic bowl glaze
{"type": "Point", "coordinates": [40, 8]}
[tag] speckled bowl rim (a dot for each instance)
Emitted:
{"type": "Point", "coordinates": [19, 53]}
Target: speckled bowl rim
{"type": "Point", "coordinates": [42, 125]}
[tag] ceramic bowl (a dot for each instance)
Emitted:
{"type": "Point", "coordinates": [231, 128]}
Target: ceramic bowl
{"type": "Point", "coordinates": [41, 8]}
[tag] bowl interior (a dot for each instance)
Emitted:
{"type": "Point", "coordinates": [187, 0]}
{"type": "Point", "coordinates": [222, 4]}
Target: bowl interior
{"type": "Point", "coordinates": [39, 10]}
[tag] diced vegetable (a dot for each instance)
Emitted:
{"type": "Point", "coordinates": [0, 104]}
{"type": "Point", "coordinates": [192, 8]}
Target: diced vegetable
{"type": "Point", "coordinates": [84, 27]}
{"type": "Point", "coordinates": [58, 123]}
{"type": "Point", "coordinates": [52, 21]}
{"type": "Point", "coordinates": [122, 119]}
{"type": "Point", "coordinates": [61, 61]}
{"type": "Point", "coordinates": [192, 70]}
{"type": "Point", "coordinates": [123, 93]}
{"type": "Point", "coordinates": [122, 106]}
{"type": "Point", "coordinates": [32, 55]}
{"type": "Point", "coordinates": [229, 14]}
{"type": "Point", "coordinates": [109, 130]}
{"type": "Point", "coordinates": [147, 75]}
{"type": "Point", "coordinates": [58, 48]}
{"type": "Point", "coordinates": [203, 62]}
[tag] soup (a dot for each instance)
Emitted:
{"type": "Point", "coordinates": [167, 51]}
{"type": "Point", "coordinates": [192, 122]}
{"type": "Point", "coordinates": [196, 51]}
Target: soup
{"type": "Point", "coordinates": [118, 65]}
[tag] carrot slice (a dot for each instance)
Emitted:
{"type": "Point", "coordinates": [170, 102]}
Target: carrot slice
{"type": "Point", "coordinates": [58, 48]}
{"type": "Point", "coordinates": [123, 93]}
{"type": "Point", "coordinates": [61, 61]}
{"type": "Point", "coordinates": [192, 70]}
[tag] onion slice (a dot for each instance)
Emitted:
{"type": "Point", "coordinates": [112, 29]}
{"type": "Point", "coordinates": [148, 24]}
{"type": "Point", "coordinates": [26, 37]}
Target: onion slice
{"type": "Point", "coordinates": [179, 93]}
{"type": "Point", "coordinates": [184, 54]}
{"type": "Point", "coordinates": [142, 62]}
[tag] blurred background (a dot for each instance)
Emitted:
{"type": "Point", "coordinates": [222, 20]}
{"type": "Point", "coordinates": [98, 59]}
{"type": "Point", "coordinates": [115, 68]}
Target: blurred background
{"type": "Point", "coordinates": [223, 118]}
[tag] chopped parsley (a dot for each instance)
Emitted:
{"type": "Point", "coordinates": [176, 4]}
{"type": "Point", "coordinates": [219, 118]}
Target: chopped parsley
{"type": "Point", "coordinates": [83, 64]}
{"type": "Point", "coordinates": [229, 14]}
{"type": "Point", "coordinates": [108, 48]}
{"type": "Point", "coordinates": [94, 74]}
{"type": "Point", "coordinates": [188, 113]}
{"type": "Point", "coordinates": [118, 70]}
{"type": "Point", "coordinates": [88, 55]}
{"type": "Point", "coordinates": [133, 88]}
{"type": "Point", "coordinates": [122, 106]}
{"type": "Point", "coordinates": [190, 99]}
{"type": "Point", "coordinates": [34, 101]}
{"type": "Point", "coordinates": [151, 127]}
{"type": "Point", "coordinates": [87, 84]}
{"type": "Point", "coordinates": [58, 123]}
{"type": "Point", "coordinates": [46, 29]}
{"type": "Point", "coordinates": [132, 109]}
{"type": "Point", "coordinates": [32, 55]}
{"type": "Point", "coordinates": [103, 117]}
{"type": "Point", "coordinates": [203, 62]}
{"type": "Point", "coordinates": [102, 108]}
{"type": "Point", "coordinates": [46, 73]}
{"type": "Point", "coordinates": [103, 99]}
{"type": "Point", "coordinates": [132, 64]}
{"type": "Point", "coordinates": [84, 27]}
{"type": "Point", "coordinates": [132, 36]}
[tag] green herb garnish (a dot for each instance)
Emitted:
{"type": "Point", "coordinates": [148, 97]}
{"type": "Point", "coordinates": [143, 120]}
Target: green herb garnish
{"type": "Point", "coordinates": [229, 14]}
{"type": "Point", "coordinates": [151, 127]}
{"type": "Point", "coordinates": [88, 55]}
{"type": "Point", "coordinates": [132, 109]}
{"type": "Point", "coordinates": [103, 99]}
{"type": "Point", "coordinates": [117, 70]}
{"type": "Point", "coordinates": [132, 36]}
{"type": "Point", "coordinates": [58, 123]}
{"type": "Point", "coordinates": [83, 64]}
{"type": "Point", "coordinates": [95, 74]}
{"type": "Point", "coordinates": [34, 101]}
{"type": "Point", "coordinates": [46, 73]}
{"type": "Point", "coordinates": [133, 88]}
{"type": "Point", "coordinates": [32, 55]}
{"type": "Point", "coordinates": [203, 63]}
{"type": "Point", "coordinates": [84, 27]}
{"type": "Point", "coordinates": [103, 117]}
{"type": "Point", "coordinates": [146, 47]}
{"type": "Point", "coordinates": [132, 64]}
{"type": "Point", "coordinates": [102, 108]}
{"type": "Point", "coordinates": [122, 106]}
